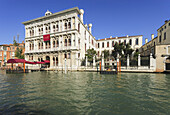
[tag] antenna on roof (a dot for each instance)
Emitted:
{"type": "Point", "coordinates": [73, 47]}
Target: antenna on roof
{"type": "Point", "coordinates": [14, 37]}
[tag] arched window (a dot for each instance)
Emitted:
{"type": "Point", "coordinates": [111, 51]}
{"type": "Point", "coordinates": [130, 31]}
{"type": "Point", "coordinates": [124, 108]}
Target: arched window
{"type": "Point", "coordinates": [69, 25]}
{"type": "Point", "coordinates": [30, 47]}
{"type": "Point", "coordinates": [57, 44]}
{"type": "Point", "coordinates": [124, 42]}
{"type": "Point", "coordinates": [102, 44]}
{"type": "Point", "coordinates": [65, 42]}
{"type": "Point", "coordinates": [39, 45]}
{"type": "Point", "coordinates": [137, 41]}
{"type": "Point", "coordinates": [130, 42]}
{"type": "Point", "coordinates": [107, 44]}
{"type": "Point", "coordinates": [30, 33]}
{"type": "Point", "coordinates": [57, 27]}
{"type": "Point", "coordinates": [41, 30]}
{"type": "Point", "coordinates": [54, 28]}
{"type": "Point", "coordinates": [54, 44]}
{"type": "Point", "coordinates": [65, 25]}
{"type": "Point", "coordinates": [69, 42]}
{"type": "Point", "coordinates": [56, 61]}
{"type": "Point", "coordinates": [42, 45]}
{"type": "Point", "coordinates": [49, 29]}
{"type": "Point", "coordinates": [53, 61]}
{"type": "Point", "coordinates": [112, 43]}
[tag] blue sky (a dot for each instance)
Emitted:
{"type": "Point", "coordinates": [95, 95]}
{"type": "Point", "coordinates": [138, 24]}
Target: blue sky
{"type": "Point", "coordinates": [109, 17]}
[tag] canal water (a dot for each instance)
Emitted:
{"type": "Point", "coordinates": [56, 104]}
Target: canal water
{"type": "Point", "coordinates": [88, 93]}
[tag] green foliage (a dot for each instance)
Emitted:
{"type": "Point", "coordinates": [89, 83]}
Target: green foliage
{"type": "Point", "coordinates": [90, 54]}
{"type": "Point", "coordinates": [15, 43]}
{"type": "Point", "coordinates": [19, 54]}
{"type": "Point", "coordinates": [127, 50]}
{"type": "Point", "coordinates": [106, 54]}
{"type": "Point", "coordinates": [122, 50]}
{"type": "Point", "coordinates": [118, 49]}
{"type": "Point", "coordinates": [136, 54]}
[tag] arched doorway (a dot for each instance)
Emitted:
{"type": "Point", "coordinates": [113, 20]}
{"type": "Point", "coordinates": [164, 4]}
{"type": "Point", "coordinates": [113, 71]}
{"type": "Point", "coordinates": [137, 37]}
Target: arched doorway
{"type": "Point", "coordinates": [56, 61]}
{"type": "Point", "coordinates": [48, 64]}
{"type": "Point", "coordinates": [167, 64]}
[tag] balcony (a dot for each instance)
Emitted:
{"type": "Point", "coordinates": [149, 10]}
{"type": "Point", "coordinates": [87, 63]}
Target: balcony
{"type": "Point", "coordinates": [53, 49]}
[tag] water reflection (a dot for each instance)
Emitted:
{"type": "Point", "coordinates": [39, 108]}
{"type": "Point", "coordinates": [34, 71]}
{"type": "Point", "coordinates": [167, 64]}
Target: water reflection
{"type": "Point", "coordinates": [84, 93]}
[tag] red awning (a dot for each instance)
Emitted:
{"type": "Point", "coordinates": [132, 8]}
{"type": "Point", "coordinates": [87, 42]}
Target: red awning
{"type": "Point", "coordinates": [29, 62]}
{"type": "Point", "coordinates": [46, 37]}
{"type": "Point", "coordinates": [40, 62]}
{"type": "Point", "coordinates": [16, 61]}
{"type": "Point", "coordinates": [47, 61]}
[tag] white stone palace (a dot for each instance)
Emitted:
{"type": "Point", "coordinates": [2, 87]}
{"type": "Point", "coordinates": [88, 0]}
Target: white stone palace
{"type": "Point", "coordinates": [63, 35]}
{"type": "Point", "coordinates": [57, 36]}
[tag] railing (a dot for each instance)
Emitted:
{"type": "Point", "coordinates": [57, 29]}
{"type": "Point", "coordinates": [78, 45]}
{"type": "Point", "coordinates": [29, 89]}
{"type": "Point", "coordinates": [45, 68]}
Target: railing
{"type": "Point", "coordinates": [53, 49]}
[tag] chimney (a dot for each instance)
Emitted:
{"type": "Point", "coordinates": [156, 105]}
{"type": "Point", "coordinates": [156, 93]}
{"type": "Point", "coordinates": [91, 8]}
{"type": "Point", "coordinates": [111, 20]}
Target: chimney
{"type": "Point", "coordinates": [86, 25]}
{"type": "Point", "coordinates": [116, 37]}
{"type": "Point", "coordinates": [127, 36]}
{"type": "Point", "coordinates": [105, 39]}
{"type": "Point", "coordinates": [166, 21]}
{"type": "Point", "coordinates": [81, 14]}
{"type": "Point", "coordinates": [110, 36]}
{"type": "Point", "coordinates": [90, 25]}
{"type": "Point", "coordinates": [146, 40]}
{"type": "Point", "coordinates": [152, 36]}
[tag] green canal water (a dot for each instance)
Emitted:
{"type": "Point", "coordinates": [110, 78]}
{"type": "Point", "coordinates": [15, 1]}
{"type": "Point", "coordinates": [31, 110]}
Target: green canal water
{"type": "Point", "coordinates": [88, 93]}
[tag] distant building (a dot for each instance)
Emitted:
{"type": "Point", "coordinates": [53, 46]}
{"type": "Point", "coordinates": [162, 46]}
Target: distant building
{"type": "Point", "coordinates": [159, 47]}
{"type": "Point", "coordinates": [108, 43]}
{"type": "Point", "coordinates": [8, 52]}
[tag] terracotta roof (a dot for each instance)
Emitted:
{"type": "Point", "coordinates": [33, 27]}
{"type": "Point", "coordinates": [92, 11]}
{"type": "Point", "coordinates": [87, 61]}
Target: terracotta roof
{"type": "Point", "coordinates": [119, 37]}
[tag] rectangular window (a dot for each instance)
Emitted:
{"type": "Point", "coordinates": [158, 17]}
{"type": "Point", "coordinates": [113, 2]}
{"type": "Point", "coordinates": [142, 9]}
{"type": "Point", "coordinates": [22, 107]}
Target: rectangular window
{"type": "Point", "coordinates": [160, 38]}
{"type": "Point", "coordinates": [78, 55]}
{"type": "Point", "coordinates": [107, 44]}
{"type": "Point", "coordinates": [165, 36]}
{"type": "Point", "coordinates": [79, 27]}
{"type": "Point", "coordinates": [102, 44]}
{"type": "Point", "coordinates": [98, 45]}
{"type": "Point", "coordinates": [112, 43]}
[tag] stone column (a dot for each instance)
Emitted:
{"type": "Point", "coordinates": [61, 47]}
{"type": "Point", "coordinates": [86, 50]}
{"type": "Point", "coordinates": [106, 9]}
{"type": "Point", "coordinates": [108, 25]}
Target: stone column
{"type": "Point", "coordinates": [51, 61]}
{"type": "Point", "coordinates": [94, 62]}
{"type": "Point", "coordinates": [151, 60]}
{"type": "Point", "coordinates": [139, 60]}
{"type": "Point", "coordinates": [102, 64]}
{"type": "Point", "coordinates": [128, 60]}
{"type": "Point", "coordinates": [86, 61]}
{"type": "Point", "coordinates": [51, 43]}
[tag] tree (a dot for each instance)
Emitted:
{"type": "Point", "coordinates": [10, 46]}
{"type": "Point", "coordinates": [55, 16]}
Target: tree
{"type": "Point", "coordinates": [118, 49]}
{"type": "Point", "coordinates": [15, 43]}
{"type": "Point", "coordinates": [127, 50]}
{"type": "Point", "coordinates": [122, 50]}
{"type": "Point", "coordinates": [136, 54]}
{"type": "Point", "coordinates": [90, 54]}
{"type": "Point", "coordinates": [19, 53]}
{"type": "Point", "coordinates": [106, 54]}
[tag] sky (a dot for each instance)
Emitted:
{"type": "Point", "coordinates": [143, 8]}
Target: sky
{"type": "Point", "coordinates": [108, 17]}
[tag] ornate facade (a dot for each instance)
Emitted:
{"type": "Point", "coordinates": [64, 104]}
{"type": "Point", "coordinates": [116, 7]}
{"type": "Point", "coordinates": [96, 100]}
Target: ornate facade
{"type": "Point", "coordinates": [67, 38]}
